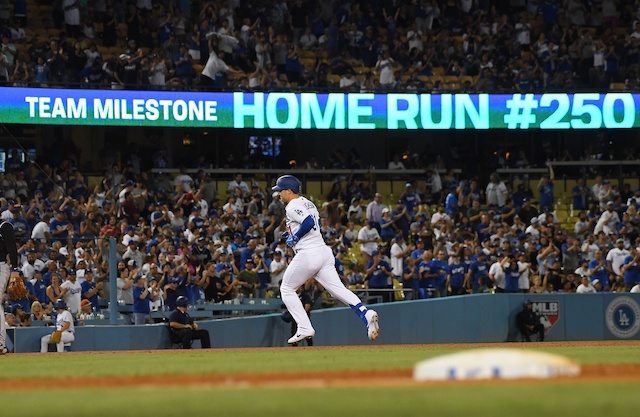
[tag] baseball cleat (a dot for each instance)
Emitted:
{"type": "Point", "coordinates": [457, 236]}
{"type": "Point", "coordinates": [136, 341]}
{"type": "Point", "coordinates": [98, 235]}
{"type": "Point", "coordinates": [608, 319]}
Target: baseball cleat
{"type": "Point", "coordinates": [3, 350]}
{"type": "Point", "coordinates": [373, 329]}
{"type": "Point", "coordinates": [299, 337]}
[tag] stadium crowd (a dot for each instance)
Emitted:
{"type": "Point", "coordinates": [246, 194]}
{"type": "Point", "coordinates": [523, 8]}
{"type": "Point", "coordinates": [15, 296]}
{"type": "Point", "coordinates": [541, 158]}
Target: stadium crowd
{"type": "Point", "coordinates": [181, 236]}
{"type": "Point", "coordinates": [425, 45]}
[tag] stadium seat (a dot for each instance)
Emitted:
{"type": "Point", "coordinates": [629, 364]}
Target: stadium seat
{"type": "Point", "coordinates": [562, 215]}
{"type": "Point", "coordinates": [362, 70]}
{"type": "Point", "coordinates": [334, 79]}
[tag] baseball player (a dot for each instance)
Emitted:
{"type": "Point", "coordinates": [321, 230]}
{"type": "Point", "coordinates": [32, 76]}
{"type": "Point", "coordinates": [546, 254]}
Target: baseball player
{"type": "Point", "coordinates": [64, 323]}
{"type": "Point", "coordinates": [313, 258]}
{"type": "Point", "coordinates": [7, 247]}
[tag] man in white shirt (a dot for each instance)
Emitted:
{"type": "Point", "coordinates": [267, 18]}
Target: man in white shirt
{"type": "Point", "coordinates": [524, 268]}
{"type": "Point", "coordinates": [32, 265]}
{"type": "Point", "coordinates": [609, 220]}
{"type": "Point", "coordinates": [582, 228]}
{"type": "Point", "coordinates": [184, 179]}
{"type": "Point", "coordinates": [585, 287]}
{"type": "Point", "coordinates": [277, 268]}
{"type": "Point", "coordinates": [616, 256]}
{"type": "Point", "coordinates": [237, 183]}
{"type": "Point", "coordinates": [589, 248]}
{"type": "Point", "coordinates": [41, 231]}
{"type": "Point", "coordinates": [368, 238]}
{"type": "Point", "coordinates": [496, 192]}
{"type": "Point", "coordinates": [414, 38]}
{"type": "Point", "coordinates": [73, 295]}
{"type": "Point", "coordinates": [399, 250]}
{"type": "Point", "coordinates": [374, 210]}
{"type": "Point", "coordinates": [497, 275]}
{"type": "Point", "coordinates": [534, 229]}
{"type": "Point", "coordinates": [385, 66]}
{"type": "Point", "coordinates": [308, 40]}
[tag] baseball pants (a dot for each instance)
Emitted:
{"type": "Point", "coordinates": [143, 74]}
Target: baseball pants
{"type": "Point", "coordinates": [5, 273]}
{"type": "Point", "coordinates": [67, 337]}
{"type": "Point", "coordinates": [309, 263]}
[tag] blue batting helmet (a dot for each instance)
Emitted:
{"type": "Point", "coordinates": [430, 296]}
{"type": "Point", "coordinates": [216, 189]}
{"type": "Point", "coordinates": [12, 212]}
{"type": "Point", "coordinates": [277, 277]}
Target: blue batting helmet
{"type": "Point", "coordinates": [60, 304]}
{"type": "Point", "coordinates": [182, 301]}
{"type": "Point", "coordinates": [287, 182]}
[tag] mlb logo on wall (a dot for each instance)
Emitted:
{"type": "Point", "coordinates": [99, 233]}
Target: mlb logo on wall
{"type": "Point", "coordinates": [623, 317]}
{"type": "Point", "coordinates": [549, 312]}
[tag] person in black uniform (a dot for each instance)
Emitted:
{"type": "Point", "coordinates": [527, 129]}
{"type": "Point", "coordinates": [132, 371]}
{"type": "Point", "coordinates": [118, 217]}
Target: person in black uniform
{"type": "Point", "coordinates": [7, 248]}
{"type": "Point", "coordinates": [529, 323]}
{"type": "Point", "coordinates": [183, 329]}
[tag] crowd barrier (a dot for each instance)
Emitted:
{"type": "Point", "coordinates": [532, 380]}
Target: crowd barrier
{"type": "Point", "coordinates": [482, 318]}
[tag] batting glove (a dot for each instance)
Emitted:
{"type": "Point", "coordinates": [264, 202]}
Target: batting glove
{"type": "Point", "coordinates": [292, 240]}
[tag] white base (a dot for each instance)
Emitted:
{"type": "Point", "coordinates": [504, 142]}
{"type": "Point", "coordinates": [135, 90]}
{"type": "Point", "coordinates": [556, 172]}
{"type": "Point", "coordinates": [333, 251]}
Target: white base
{"type": "Point", "coordinates": [495, 363]}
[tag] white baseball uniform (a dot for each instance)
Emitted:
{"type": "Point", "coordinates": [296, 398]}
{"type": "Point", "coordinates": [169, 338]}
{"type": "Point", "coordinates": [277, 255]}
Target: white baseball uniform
{"type": "Point", "coordinates": [313, 258]}
{"type": "Point", "coordinates": [68, 335]}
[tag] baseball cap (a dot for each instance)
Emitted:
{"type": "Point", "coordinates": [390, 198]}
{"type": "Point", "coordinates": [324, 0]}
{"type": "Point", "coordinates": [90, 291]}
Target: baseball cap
{"type": "Point", "coordinates": [275, 194]}
{"type": "Point", "coordinates": [188, 196]}
{"type": "Point", "coordinates": [534, 220]}
{"type": "Point", "coordinates": [374, 252]}
{"type": "Point", "coordinates": [385, 210]}
{"type": "Point", "coordinates": [620, 241]}
{"type": "Point", "coordinates": [217, 242]}
{"type": "Point", "coordinates": [609, 203]}
{"type": "Point", "coordinates": [129, 183]}
{"type": "Point", "coordinates": [408, 185]}
{"type": "Point", "coordinates": [85, 302]}
{"type": "Point", "coordinates": [595, 281]}
{"type": "Point", "coordinates": [130, 227]}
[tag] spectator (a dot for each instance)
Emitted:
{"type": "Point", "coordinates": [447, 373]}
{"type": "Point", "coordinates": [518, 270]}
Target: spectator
{"type": "Point", "coordinates": [73, 294]}
{"type": "Point", "coordinates": [368, 238]}
{"type": "Point", "coordinates": [496, 192]}
{"type": "Point", "coordinates": [378, 272]}
{"type": "Point", "coordinates": [585, 286]}
{"type": "Point", "coordinates": [143, 295]}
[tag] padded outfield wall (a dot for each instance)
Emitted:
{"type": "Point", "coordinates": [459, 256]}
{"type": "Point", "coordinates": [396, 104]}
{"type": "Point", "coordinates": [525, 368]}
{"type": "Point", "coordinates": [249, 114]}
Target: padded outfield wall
{"type": "Point", "coordinates": [466, 319]}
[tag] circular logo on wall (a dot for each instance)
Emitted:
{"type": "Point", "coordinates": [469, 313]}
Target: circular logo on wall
{"type": "Point", "coordinates": [623, 317]}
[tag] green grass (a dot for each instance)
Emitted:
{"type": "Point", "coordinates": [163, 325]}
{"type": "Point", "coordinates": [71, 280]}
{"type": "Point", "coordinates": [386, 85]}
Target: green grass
{"type": "Point", "coordinates": [565, 398]}
{"type": "Point", "coordinates": [265, 360]}
{"type": "Point", "coordinates": [520, 399]}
